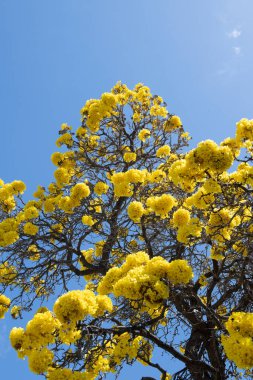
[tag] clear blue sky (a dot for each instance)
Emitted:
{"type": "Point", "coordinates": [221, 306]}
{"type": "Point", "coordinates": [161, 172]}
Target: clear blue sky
{"type": "Point", "coordinates": [55, 54]}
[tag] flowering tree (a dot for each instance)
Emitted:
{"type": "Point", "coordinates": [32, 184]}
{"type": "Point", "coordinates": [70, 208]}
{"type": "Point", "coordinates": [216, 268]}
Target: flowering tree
{"type": "Point", "coordinates": [157, 239]}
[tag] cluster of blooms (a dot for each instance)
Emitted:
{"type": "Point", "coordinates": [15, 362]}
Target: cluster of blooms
{"type": "Point", "coordinates": [123, 181]}
{"type": "Point", "coordinates": [7, 273]}
{"type": "Point", "coordinates": [8, 191]}
{"type": "Point", "coordinates": [121, 347]}
{"type": "Point", "coordinates": [243, 174]}
{"type": "Point", "coordinates": [77, 304]}
{"type": "Point", "coordinates": [163, 151]}
{"type": "Point", "coordinates": [77, 193]}
{"type": "Point", "coordinates": [208, 156]}
{"type": "Point", "coordinates": [32, 342]}
{"type": "Point", "coordinates": [101, 188]}
{"type": "Point", "coordinates": [238, 345]}
{"type": "Point", "coordinates": [244, 131]}
{"type": "Point", "coordinates": [4, 305]}
{"type": "Point", "coordinates": [135, 211]}
{"type": "Point", "coordinates": [9, 226]}
{"type": "Point", "coordinates": [186, 225]}
{"type": "Point", "coordinates": [143, 279]}
{"type": "Point", "coordinates": [95, 110]}
{"type": "Point", "coordinates": [46, 328]}
{"type": "Point", "coordinates": [124, 346]}
{"type": "Point", "coordinates": [221, 223]}
{"type": "Point", "coordinates": [161, 205]}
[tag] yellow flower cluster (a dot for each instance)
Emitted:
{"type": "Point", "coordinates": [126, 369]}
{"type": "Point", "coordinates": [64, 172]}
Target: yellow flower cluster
{"type": "Point", "coordinates": [241, 323]}
{"type": "Point", "coordinates": [67, 203]}
{"type": "Point", "coordinates": [135, 211]}
{"type": "Point", "coordinates": [122, 186]}
{"type": "Point", "coordinates": [44, 329]}
{"type": "Point", "coordinates": [4, 305]}
{"type": "Point", "coordinates": [144, 134]}
{"type": "Point", "coordinates": [238, 345]}
{"type": "Point", "coordinates": [172, 123]}
{"type": "Point", "coordinates": [96, 110]}
{"type": "Point", "coordinates": [162, 205]}
{"type": "Point", "coordinates": [243, 174]}
{"type": "Point", "coordinates": [65, 139]}
{"type": "Point", "coordinates": [181, 217]}
{"type": "Point", "coordinates": [101, 188]}
{"type": "Point", "coordinates": [217, 252]}
{"type": "Point", "coordinates": [79, 191]}
{"type": "Point", "coordinates": [125, 346]}
{"type": "Point", "coordinates": [30, 229]}
{"type": "Point", "coordinates": [221, 223]}
{"type": "Point", "coordinates": [142, 279]}
{"type": "Point", "coordinates": [129, 157]}
{"type": "Point", "coordinates": [15, 311]}
{"type": "Point", "coordinates": [31, 213]}
{"type": "Point", "coordinates": [156, 176]}
{"type": "Point", "coordinates": [62, 176]}
{"type": "Point", "coordinates": [123, 181]}
{"type": "Point", "coordinates": [157, 110]}
{"type": "Point", "coordinates": [7, 193]}
{"type": "Point", "coordinates": [244, 130]}
{"type": "Point", "coordinates": [40, 360]}
{"type": "Point", "coordinates": [32, 342]}
{"type": "Point", "coordinates": [7, 273]}
{"type": "Point", "coordinates": [201, 199]}
{"type": "Point", "coordinates": [192, 229]}
{"type": "Point", "coordinates": [8, 231]}
{"type": "Point", "coordinates": [208, 156]}
{"type": "Point", "coordinates": [121, 347]}
{"type": "Point", "coordinates": [88, 220]}
{"type": "Point", "coordinates": [77, 304]}
{"type": "Point", "coordinates": [163, 151]}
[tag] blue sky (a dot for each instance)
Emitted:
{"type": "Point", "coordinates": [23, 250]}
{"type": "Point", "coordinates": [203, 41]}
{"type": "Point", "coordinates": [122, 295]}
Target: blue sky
{"type": "Point", "coordinates": [55, 54]}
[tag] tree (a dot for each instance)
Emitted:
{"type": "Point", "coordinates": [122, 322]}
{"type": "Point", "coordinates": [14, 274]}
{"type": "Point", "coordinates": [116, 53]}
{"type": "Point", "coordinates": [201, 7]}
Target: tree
{"type": "Point", "coordinates": [156, 239]}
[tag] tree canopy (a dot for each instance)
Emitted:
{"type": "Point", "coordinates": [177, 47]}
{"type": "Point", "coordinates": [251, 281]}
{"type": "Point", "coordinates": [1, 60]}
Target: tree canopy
{"type": "Point", "coordinates": [155, 238]}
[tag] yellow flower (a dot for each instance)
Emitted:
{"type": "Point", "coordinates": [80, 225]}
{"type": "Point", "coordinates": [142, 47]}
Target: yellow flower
{"type": "Point", "coordinates": [87, 220]}
{"type": "Point", "coordinates": [101, 188]}
{"type": "Point", "coordinates": [135, 211]}
{"type": "Point", "coordinates": [65, 139]}
{"type": "Point", "coordinates": [173, 123]}
{"type": "Point", "coordinates": [179, 272]}
{"type": "Point", "coordinates": [4, 305]}
{"type": "Point", "coordinates": [144, 134]}
{"type": "Point", "coordinates": [129, 157]}
{"type": "Point", "coordinates": [15, 311]}
{"type": "Point", "coordinates": [18, 187]}
{"type": "Point", "coordinates": [30, 229]}
{"type": "Point", "coordinates": [157, 110]}
{"type": "Point", "coordinates": [181, 217]}
{"type": "Point", "coordinates": [75, 305]}
{"type": "Point", "coordinates": [40, 360]}
{"type": "Point", "coordinates": [31, 213]}
{"type": "Point", "coordinates": [80, 191]}
{"type": "Point", "coordinates": [161, 205]}
{"type": "Point", "coordinates": [163, 151]}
